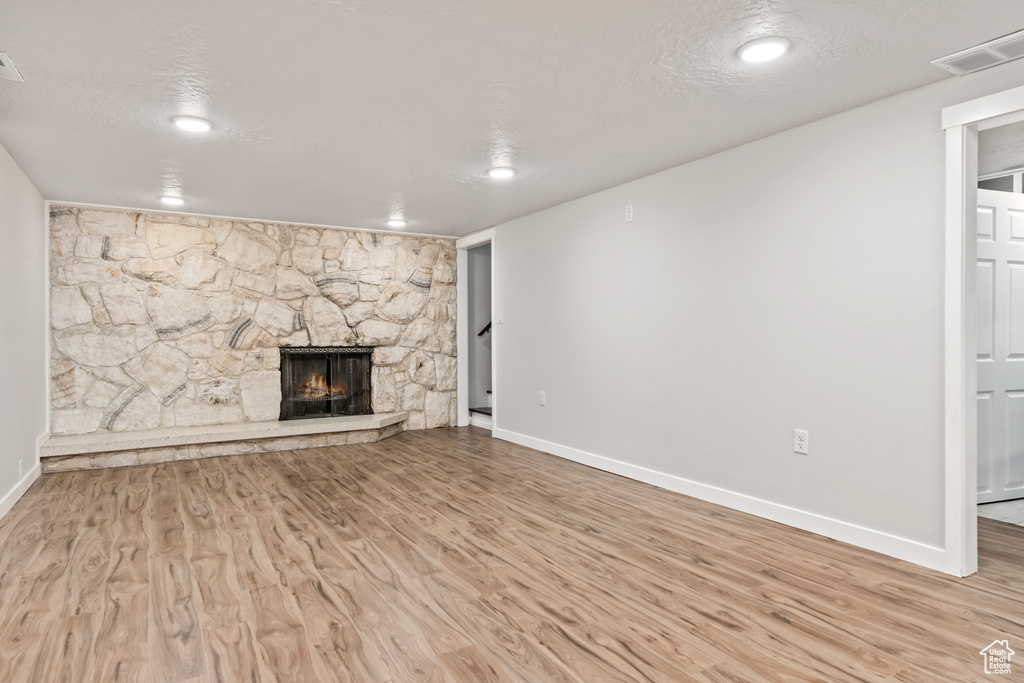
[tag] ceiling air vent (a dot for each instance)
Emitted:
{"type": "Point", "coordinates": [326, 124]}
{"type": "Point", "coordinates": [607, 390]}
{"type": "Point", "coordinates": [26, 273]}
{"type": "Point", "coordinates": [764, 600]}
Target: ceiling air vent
{"type": "Point", "coordinates": [8, 70]}
{"type": "Point", "coordinates": [998, 51]}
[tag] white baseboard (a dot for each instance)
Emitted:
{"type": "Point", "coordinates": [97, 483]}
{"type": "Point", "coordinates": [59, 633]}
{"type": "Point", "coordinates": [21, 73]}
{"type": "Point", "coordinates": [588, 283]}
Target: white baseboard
{"type": "Point", "coordinates": [12, 497]}
{"type": "Point", "coordinates": [481, 420]}
{"type": "Point", "coordinates": [871, 539]}
{"type": "Point", "coordinates": [27, 479]}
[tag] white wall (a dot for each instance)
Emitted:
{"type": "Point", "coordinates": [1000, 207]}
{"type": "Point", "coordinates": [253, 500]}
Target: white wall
{"type": "Point", "coordinates": [22, 328]}
{"type": "Point", "coordinates": [795, 282]}
{"type": "Point", "coordinates": [479, 272]}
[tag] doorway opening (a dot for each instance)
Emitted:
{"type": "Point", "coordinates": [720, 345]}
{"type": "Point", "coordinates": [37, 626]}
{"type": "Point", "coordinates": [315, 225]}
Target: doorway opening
{"type": "Point", "coordinates": [982, 277]}
{"type": "Point", "coordinates": [477, 330]}
{"type": "Point", "coordinates": [481, 397]}
{"type": "Point", "coordinates": [1000, 317]}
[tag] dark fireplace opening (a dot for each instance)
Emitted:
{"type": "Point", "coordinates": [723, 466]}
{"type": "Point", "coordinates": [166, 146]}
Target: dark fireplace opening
{"type": "Point", "coordinates": [325, 381]}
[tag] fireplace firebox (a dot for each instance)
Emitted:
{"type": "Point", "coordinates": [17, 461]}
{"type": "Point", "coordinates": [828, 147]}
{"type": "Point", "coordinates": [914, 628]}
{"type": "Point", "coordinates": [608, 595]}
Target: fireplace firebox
{"type": "Point", "coordinates": [325, 381]}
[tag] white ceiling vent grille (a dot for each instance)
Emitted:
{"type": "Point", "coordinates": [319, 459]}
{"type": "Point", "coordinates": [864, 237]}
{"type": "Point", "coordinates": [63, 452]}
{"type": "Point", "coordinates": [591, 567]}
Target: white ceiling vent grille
{"type": "Point", "coordinates": [998, 51]}
{"type": "Point", "coordinates": [1011, 49]}
{"type": "Point", "coordinates": [7, 69]}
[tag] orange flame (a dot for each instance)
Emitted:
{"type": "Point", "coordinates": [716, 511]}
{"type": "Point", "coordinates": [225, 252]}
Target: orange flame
{"type": "Point", "coordinates": [317, 387]}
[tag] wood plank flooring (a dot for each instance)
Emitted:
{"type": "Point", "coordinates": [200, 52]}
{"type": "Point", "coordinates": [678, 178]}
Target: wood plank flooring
{"type": "Point", "coordinates": [446, 556]}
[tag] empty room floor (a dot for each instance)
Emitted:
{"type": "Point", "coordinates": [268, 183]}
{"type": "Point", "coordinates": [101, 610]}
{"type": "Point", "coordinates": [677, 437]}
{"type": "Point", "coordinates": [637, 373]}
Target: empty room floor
{"type": "Point", "coordinates": [445, 555]}
{"type": "Point", "coordinates": [1009, 511]}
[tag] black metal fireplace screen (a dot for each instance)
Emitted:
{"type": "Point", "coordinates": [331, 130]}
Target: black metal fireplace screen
{"type": "Point", "coordinates": [324, 381]}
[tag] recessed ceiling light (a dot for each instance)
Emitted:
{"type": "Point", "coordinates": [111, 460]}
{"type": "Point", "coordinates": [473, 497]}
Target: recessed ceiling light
{"type": "Point", "coordinates": [501, 172]}
{"type": "Point", "coordinates": [171, 200]}
{"type": "Point", "coordinates": [763, 50]}
{"type": "Point", "coordinates": [396, 223]}
{"type": "Point", "coordinates": [192, 124]}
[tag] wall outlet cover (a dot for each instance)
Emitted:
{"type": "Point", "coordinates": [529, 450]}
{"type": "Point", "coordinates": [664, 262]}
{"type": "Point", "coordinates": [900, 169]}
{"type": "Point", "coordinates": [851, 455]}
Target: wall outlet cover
{"type": "Point", "coordinates": [802, 441]}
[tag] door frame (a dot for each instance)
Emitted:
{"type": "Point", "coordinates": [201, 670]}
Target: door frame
{"type": "Point", "coordinates": [463, 245]}
{"type": "Point", "coordinates": [961, 123]}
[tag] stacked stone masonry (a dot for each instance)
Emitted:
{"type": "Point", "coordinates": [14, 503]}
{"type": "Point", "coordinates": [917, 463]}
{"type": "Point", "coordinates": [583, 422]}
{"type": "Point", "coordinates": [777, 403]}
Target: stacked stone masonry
{"type": "Point", "coordinates": [176, 321]}
{"type": "Point", "coordinates": [152, 456]}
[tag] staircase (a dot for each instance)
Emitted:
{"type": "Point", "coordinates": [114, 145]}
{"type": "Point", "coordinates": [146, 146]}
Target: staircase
{"type": "Point", "coordinates": [481, 417]}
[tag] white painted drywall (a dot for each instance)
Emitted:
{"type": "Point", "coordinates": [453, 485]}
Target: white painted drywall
{"type": "Point", "coordinates": [479, 269]}
{"type": "Point", "coordinates": [22, 324]}
{"type": "Point", "coordinates": [794, 282]}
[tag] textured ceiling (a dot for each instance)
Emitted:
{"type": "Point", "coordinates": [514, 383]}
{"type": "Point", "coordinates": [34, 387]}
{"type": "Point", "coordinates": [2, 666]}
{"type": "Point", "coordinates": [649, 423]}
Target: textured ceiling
{"type": "Point", "coordinates": [341, 112]}
{"type": "Point", "coordinates": [1001, 149]}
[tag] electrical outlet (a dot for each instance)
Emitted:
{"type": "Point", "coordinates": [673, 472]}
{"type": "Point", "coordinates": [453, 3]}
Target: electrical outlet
{"type": "Point", "coordinates": [543, 399]}
{"type": "Point", "coordinates": [499, 317]}
{"type": "Point", "coordinates": [802, 441]}
{"type": "Point", "coordinates": [629, 213]}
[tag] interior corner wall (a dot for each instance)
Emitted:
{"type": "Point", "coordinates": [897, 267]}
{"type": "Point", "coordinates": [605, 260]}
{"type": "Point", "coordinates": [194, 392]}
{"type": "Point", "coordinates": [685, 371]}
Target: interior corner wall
{"type": "Point", "coordinates": [23, 327]}
{"type": "Point", "coordinates": [479, 272]}
{"type": "Point", "coordinates": [793, 282]}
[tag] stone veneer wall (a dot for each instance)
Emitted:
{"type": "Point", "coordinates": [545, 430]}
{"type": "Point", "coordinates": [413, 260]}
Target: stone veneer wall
{"type": "Point", "coordinates": [175, 321]}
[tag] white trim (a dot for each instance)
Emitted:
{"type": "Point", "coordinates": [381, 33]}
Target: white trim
{"type": "Point", "coordinates": [960, 351]}
{"type": "Point", "coordinates": [962, 123]}
{"type": "Point", "coordinates": [15, 494]}
{"type": "Point", "coordinates": [481, 420]}
{"type": "Point", "coordinates": [1004, 120]}
{"type": "Point", "coordinates": [462, 336]}
{"type": "Point", "coordinates": [871, 539]}
{"type": "Point", "coordinates": [495, 329]}
{"type": "Point", "coordinates": [475, 239]}
{"type": "Point", "coordinates": [463, 245]}
{"type": "Point", "coordinates": [984, 109]}
{"type": "Point", "coordinates": [243, 219]}
{"type": "Point", "coordinates": [27, 479]}
{"type": "Point", "coordinates": [1015, 172]}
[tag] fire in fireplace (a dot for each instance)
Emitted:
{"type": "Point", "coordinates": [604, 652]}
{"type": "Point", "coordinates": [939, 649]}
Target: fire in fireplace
{"type": "Point", "coordinates": [317, 387]}
{"type": "Point", "coordinates": [324, 381]}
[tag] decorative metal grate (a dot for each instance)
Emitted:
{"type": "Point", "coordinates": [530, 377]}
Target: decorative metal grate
{"type": "Point", "coordinates": [325, 381]}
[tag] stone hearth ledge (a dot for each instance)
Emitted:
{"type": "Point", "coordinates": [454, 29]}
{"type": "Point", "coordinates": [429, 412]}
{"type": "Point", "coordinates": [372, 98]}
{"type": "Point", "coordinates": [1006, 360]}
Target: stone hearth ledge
{"type": "Point", "coordinates": [152, 456]}
{"type": "Point", "coordinates": [122, 449]}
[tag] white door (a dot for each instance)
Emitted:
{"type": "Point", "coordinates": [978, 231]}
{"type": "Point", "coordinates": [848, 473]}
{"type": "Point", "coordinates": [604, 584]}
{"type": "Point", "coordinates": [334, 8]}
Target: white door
{"type": "Point", "coordinates": [1000, 345]}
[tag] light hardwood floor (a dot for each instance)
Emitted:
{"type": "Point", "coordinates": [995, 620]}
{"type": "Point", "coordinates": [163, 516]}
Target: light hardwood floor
{"type": "Point", "coordinates": [448, 556]}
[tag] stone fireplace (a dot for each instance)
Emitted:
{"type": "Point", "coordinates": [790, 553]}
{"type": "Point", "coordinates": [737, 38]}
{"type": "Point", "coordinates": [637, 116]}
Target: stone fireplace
{"type": "Point", "coordinates": [166, 323]}
{"type": "Point", "coordinates": [324, 381]}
